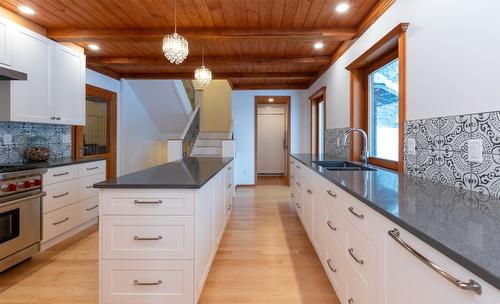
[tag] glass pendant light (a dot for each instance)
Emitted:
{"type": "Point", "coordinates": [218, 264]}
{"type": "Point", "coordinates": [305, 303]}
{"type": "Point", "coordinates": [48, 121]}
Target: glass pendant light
{"type": "Point", "coordinates": [175, 47]}
{"type": "Point", "coordinates": [202, 74]}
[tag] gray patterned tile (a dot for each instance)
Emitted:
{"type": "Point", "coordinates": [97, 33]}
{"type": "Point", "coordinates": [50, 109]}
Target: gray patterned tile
{"type": "Point", "coordinates": [455, 169]}
{"type": "Point", "coordinates": [486, 126]}
{"type": "Point", "coordinates": [425, 166]}
{"type": "Point", "coordinates": [454, 133]}
{"type": "Point", "coordinates": [485, 177]}
{"type": "Point", "coordinates": [426, 131]}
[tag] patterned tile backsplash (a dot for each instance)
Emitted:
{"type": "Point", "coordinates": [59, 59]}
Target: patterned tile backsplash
{"type": "Point", "coordinates": [334, 145]}
{"type": "Point", "coordinates": [442, 151]}
{"type": "Point", "coordinates": [21, 132]}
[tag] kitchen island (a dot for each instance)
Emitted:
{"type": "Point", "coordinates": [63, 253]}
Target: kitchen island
{"type": "Point", "coordinates": [160, 229]}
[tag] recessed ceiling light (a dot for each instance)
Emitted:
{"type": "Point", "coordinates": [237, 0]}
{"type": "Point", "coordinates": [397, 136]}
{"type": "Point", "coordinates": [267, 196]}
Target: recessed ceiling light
{"type": "Point", "coordinates": [318, 45]}
{"type": "Point", "coordinates": [270, 99]}
{"type": "Point", "coordinates": [342, 7]}
{"type": "Point", "coordinates": [94, 47]}
{"type": "Point", "coordinates": [26, 9]}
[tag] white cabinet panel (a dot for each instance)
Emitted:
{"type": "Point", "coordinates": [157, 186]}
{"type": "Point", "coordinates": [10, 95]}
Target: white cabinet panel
{"type": "Point", "coordinates": [60, 174]}
{"type": "Point", "coordinates": [59, 221]}
{"type": "Point", "coordinates": [60, 195]}
{"type": "Point", "coordinates": [88, 209]}
{"type": "Point", "coordinates": [219, 207]}
{"type": "Point", "coordinates": [86, 185]}
{"type": "Point", "coordinates": [5, 42]}
{"type": "Point", "coordinates": [69, 85]}
{"type": "Point", "coordinates": [91, 168]}
{"type": "Point", "coordinates": [30, 100]}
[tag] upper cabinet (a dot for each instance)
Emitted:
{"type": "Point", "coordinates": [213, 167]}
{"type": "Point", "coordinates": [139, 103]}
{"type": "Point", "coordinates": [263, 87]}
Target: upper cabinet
{"type": "Point", "coordinates": [55, 89]}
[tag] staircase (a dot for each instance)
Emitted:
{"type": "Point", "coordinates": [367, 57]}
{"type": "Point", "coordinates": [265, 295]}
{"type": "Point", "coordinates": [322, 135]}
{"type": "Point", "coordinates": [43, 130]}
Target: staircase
{"type": "Point", "coordinates": [209, 144]}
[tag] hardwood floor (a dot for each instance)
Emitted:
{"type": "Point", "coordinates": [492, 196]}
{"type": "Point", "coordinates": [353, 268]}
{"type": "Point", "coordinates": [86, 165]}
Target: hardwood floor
{"type": "Point", "coordinates": [264, 257]}
{"type": "Point", "coordinates": [271, 180]}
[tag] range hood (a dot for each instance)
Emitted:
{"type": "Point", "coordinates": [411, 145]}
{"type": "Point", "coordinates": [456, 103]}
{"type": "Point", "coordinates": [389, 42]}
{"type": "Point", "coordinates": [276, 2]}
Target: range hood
{"type": "Point", "coordinates": [8, 74]}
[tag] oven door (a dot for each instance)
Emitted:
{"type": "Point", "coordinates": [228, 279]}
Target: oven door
{"type": "Point", "coordinates": [20, 223]}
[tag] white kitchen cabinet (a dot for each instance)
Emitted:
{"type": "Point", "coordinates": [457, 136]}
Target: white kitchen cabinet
{"type": "Point", "coordinates": [307, 205]}
{"type": "Point", "coordinates": [5, 42]}
{"type": "Point", "coordinates": [69, 86]}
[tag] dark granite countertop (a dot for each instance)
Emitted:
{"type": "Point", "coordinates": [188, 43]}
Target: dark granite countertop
{"type": "Point", "coordinates": [51, 163]}
{"type": "Point", "coordinates": [190, 173]}
{"type": "Point", "coordinates": [463, 225]}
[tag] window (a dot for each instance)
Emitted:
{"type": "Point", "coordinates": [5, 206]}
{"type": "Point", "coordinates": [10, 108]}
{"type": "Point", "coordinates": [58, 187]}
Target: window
{"type": "Point", "coordinates": [383, 112]}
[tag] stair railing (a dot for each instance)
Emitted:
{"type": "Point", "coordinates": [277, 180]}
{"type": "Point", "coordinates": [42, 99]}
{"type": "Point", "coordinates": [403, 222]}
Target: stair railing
{"type": "Point", "coordinates": [190, 132]}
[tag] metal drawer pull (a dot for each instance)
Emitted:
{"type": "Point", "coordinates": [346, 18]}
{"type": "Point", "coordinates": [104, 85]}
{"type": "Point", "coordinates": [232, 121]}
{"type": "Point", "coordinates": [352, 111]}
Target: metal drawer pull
{"type": "Point", "coordinates": [60, 174]}
{"type": "Point", "coordinates": [93, 168]}
{"type": "Point", "coordinates": [358, 215]}
{"type": "Point", "coordinates": [350, 301]}
{"type": "Point", "coordinates": [471, 285]}
{"type": "Point", "coordinates": [229, 207]}
{"type": "Point", "coordinates": [137, 283]}
{"type": "Point", "coordinates": [309, 191]}
{"type": "Point", "coordinates": [292, 194]}
{"type": "Point", "coordinates": [92, 208]}
{"type": "Point", "coordinates": [329, 262]}
{"type": "Point", "coordinates": [136, 238]}
{"type": "Point", "coordinates": [91, 186]}
{"type": "Point", "coordinates": [298, 184]}
{"type": "Point", "coordinates": [229, 186]}
{"type": "Point", "coordinates": [329, 223]}
{"type": "Point", "coordinates": [60, 195]}
{"type": "Point", "coordinates": [148, 202]}
{"type": "Point", "coordinates": [331, 193]}
{"type": "Point", "coordinates": [229, 168]}
{"type": "Point", "coordinates": [60, 222]}
{"type": "Point", "coordinates": [297, 167]}
{"type": "Point", "coordinates": [359, 261]}
{"type": "Point", "coordinates": [297, 205]}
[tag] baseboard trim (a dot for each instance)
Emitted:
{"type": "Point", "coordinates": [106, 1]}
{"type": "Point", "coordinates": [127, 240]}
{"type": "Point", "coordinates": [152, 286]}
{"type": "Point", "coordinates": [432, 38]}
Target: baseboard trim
{"type": "Point", "coordinates": [47, 244]}
{"type": "Point", "coordinates": [245, 186]}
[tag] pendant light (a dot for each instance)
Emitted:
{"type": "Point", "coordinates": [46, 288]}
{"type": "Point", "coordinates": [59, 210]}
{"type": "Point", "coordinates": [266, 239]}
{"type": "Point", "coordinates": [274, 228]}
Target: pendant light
{"type": "Point", "coordinates": [175, 47]}
{"type": "Point", "coordinates": [202, 74]}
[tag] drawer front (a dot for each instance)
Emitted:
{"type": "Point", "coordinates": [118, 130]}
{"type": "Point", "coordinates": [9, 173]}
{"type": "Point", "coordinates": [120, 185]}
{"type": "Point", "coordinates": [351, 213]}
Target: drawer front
{"type": "Point", "coordinates": [361, 256]}
{"type": "Point", "coordinates": [60, 174]}
{"type": "Point", "coordinates": [59, 221]}
{"type": "Point", "coordinates": [88, 209]}
{"type": "Point", "coordinates": [334, 226]}
{"type": "Point", "coordinates": [60, 195]}
{"type": "Point", "coordinates": [92, 168]}
{"type": "Point", "coordinates": [335, 268]}
{"type": "Point", "coordinates": [152, 282]}
{"type": "Point", "coordinates": [148, 237]}
{"type": "Point", "coordinates": [137, 202]}
{"type": "Point", "coordinates": [86, 185]}
{"type": "Point", "coordinates": [362, 217]}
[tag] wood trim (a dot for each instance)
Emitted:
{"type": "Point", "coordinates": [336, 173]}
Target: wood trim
{"type": "Point", "coordinates": [105, 71]}
{"type": "Point", "coordinates": [315, 98]}
{"type": "Point", "coordinates": [402, 97]}
{"type": "Point", "coordinates": [238, 76]}
{"type": "Point", "coordinates": [277, 100]}
{"type": "Point", "coordinates": [385, 163]}
{"type": "Point", "coordinates": [269, 86]}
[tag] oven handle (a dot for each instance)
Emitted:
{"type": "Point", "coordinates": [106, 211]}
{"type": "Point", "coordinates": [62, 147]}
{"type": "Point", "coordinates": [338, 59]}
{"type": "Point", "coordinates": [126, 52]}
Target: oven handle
{"type": "Point", "coordinates": [39, 195]}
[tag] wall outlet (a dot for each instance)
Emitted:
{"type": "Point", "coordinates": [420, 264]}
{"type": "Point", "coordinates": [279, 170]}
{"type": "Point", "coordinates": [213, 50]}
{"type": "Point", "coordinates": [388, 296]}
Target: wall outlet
{"type": "Point", "coordinates": [66, 139]}
{"type": "Point", "coordinates": [410, 145]}
{"type": "Point", "coordinates": [7, 139]}
{"type": "Point", "coordinates": [475, 147]}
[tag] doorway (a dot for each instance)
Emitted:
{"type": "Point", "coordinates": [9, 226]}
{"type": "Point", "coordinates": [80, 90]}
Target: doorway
{"type": "Point", "coordinates": [272, 139]}
{"type": "Point", "coordinates": [318, 121]}
{"type": "Point", "coordinates": [98, 137]}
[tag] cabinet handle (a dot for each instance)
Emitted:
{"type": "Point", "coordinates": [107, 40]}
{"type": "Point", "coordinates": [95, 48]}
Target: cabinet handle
{"type": "Point", "coordinates": [359, 261]}
{"type": "Point", "coordinates": [229, 207]}
{"type": "Point", "coordinates": [297, 167]}
{"type": "Point", "coordinates": [298, 184]}
{"type": "Point", "coordinates": [309, 191]}
{"type": "Point", "coordinates": [329, 262]}
{"type": "Point", "coordinates": [137, 283]}
{"type": "Point", "coordinates": [92, 208]}
{"type": "Point", "coordinates": [229, 186]}
{"type": "Point", "coordinates": [331, 193]}
{"type": "Point", "coordinates": [358, 215]}
{"type": "Point", "coordinates": [329, 223]}
{"type": "Point", "coordinates": [58, 118]}
{"type": "Point", "coordinates": [292, 194]}
{"type": "Point", "coordinates": [60, 222]}
{"type": "Point", "coordinates": [137, 238]}
{"type": "Point", "coordinates": [297, 205]}
{"type": "Point", "coordinates": [60, 174]}
{"type": "Point", "coordinates": [228, 169]}
{"type": "Point", "coordinates": [88, 187]}
{"type": "Point", "coordinates": [93, 168]}
{"type": "Point", "coordinates": [148, 202]}
{"type": "Point", "coordinates": [350, 301]}
{"type": "Point", "coordinates": [60, 195]}
{"type": "Point", "coordinates": [471, 285]}
{"type": "Point", "coordinates": [52, 118]}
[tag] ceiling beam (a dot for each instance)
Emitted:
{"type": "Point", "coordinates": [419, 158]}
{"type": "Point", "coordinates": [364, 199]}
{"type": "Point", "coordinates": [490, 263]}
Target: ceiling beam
{"type": "Point", "coordinates": [132, 35]}
{"type": "Point", "coordinates": [236, 76]}
{"type": "Point", "coordinates": [270, 86]}
{"type": "Point", "coordinates": [211, 61]}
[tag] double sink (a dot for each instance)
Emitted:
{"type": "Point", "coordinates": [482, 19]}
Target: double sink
{"type": "Point", "coordinates": [340, 165]}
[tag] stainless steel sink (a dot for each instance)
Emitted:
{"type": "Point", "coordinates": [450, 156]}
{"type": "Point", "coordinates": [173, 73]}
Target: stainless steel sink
{"type": "Point", "coordinates": [340, 165]}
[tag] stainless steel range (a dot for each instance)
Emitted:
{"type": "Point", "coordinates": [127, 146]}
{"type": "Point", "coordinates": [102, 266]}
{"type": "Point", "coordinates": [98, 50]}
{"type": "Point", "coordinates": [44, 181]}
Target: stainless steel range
{"type": "Point", "coordinates": [20, 213]}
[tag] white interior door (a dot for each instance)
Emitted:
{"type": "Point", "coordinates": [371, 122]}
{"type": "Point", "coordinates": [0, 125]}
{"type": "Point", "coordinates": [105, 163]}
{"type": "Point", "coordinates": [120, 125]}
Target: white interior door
{"type": "Point", "coordinates": [271, 139]}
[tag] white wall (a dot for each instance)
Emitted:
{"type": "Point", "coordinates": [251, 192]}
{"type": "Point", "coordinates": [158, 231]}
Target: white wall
{"type": "Point", "coordinates": [244, 124]}
{"type": "Point", "coordinates": [452, 59]}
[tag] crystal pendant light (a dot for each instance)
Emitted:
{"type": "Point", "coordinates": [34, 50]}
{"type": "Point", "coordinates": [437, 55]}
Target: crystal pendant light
{"type": "Point", "coordinates": [202, 74]}
{"type": "Point", "coordinates": [175, 47]}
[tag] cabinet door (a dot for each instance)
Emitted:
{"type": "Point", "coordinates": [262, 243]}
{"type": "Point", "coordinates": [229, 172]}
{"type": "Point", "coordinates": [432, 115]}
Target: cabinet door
{"type": "Point", "coordinates": [30, 99]}
{"type": "Point", "coordinates": [69, 86]}
{"type": "Point", "coordinates": [5, 42]}
{"type": "Point", "coordinates": [219, 207]}
{"type": "Point", "coordinates": [307, 206]}
{"type": "Point", "coordinates": [410, 281]}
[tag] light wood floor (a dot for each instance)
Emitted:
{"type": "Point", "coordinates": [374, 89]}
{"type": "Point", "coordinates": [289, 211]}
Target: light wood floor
{"type": "Point", "coordinates": [271, 180]}
{"type": "Point", "coordinates": [264, 257]}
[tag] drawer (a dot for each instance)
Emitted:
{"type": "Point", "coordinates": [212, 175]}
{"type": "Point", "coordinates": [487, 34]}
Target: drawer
{"type": "Point", "coordinates": [59, 221]}
{"type": "Point", "coordinates": [148, 202]}
{"type": "Point", "coordinates": [363, 218]}
{"type": "Point", "coordinates": [361, 256]}
{"type": "Point", "coordinates": [335, 268]}
{"type": "Point", "coordinates": [92, 168]}
{"type": "Point", "coordinates": [152, 282]}
{"type": "Point", "coordinates": [334, 226]}
{"type": "Point", "coordinates": [86, 185]}
{"type": "Point", "coordinates": [147, 237]}
{"type": "Point", "coordinates": [60, 174]}
{"type": "Point", "coordinates": [60, 195]}
{"type": "Point", "coordinates": [333, 195]}
{"type": "Point", "coordinates": [88, 209]}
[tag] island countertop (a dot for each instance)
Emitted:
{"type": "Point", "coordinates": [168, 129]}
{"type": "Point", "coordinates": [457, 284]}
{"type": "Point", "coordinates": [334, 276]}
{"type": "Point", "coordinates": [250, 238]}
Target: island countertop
{"type": "Point", "coordinates": [188, 173]}
{"type": "Point", "coordinates": [461, 224]}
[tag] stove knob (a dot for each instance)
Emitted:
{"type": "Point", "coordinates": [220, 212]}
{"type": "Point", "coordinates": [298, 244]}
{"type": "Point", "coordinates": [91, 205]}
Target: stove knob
{"type": "Point", "coordinates": [27, 184]}
{"type": "Point", "coordinates": [38, 182]}
{"type": "Point", "coordinates": [11, 187]}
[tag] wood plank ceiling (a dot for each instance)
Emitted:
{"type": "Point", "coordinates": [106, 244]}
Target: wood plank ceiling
{"type": "Point", "coordinates": [256, 44]}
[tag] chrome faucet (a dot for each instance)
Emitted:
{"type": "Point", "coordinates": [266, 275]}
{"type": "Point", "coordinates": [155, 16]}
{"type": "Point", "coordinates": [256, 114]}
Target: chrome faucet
{"type": "Point", "coordinates": [365, 154]}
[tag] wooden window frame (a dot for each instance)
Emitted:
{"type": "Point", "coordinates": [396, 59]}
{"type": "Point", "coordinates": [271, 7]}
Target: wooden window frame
{"type": "Point", "coordinates": [392, 46]}
{"type": "Point", "coordinates": [315, 99]}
